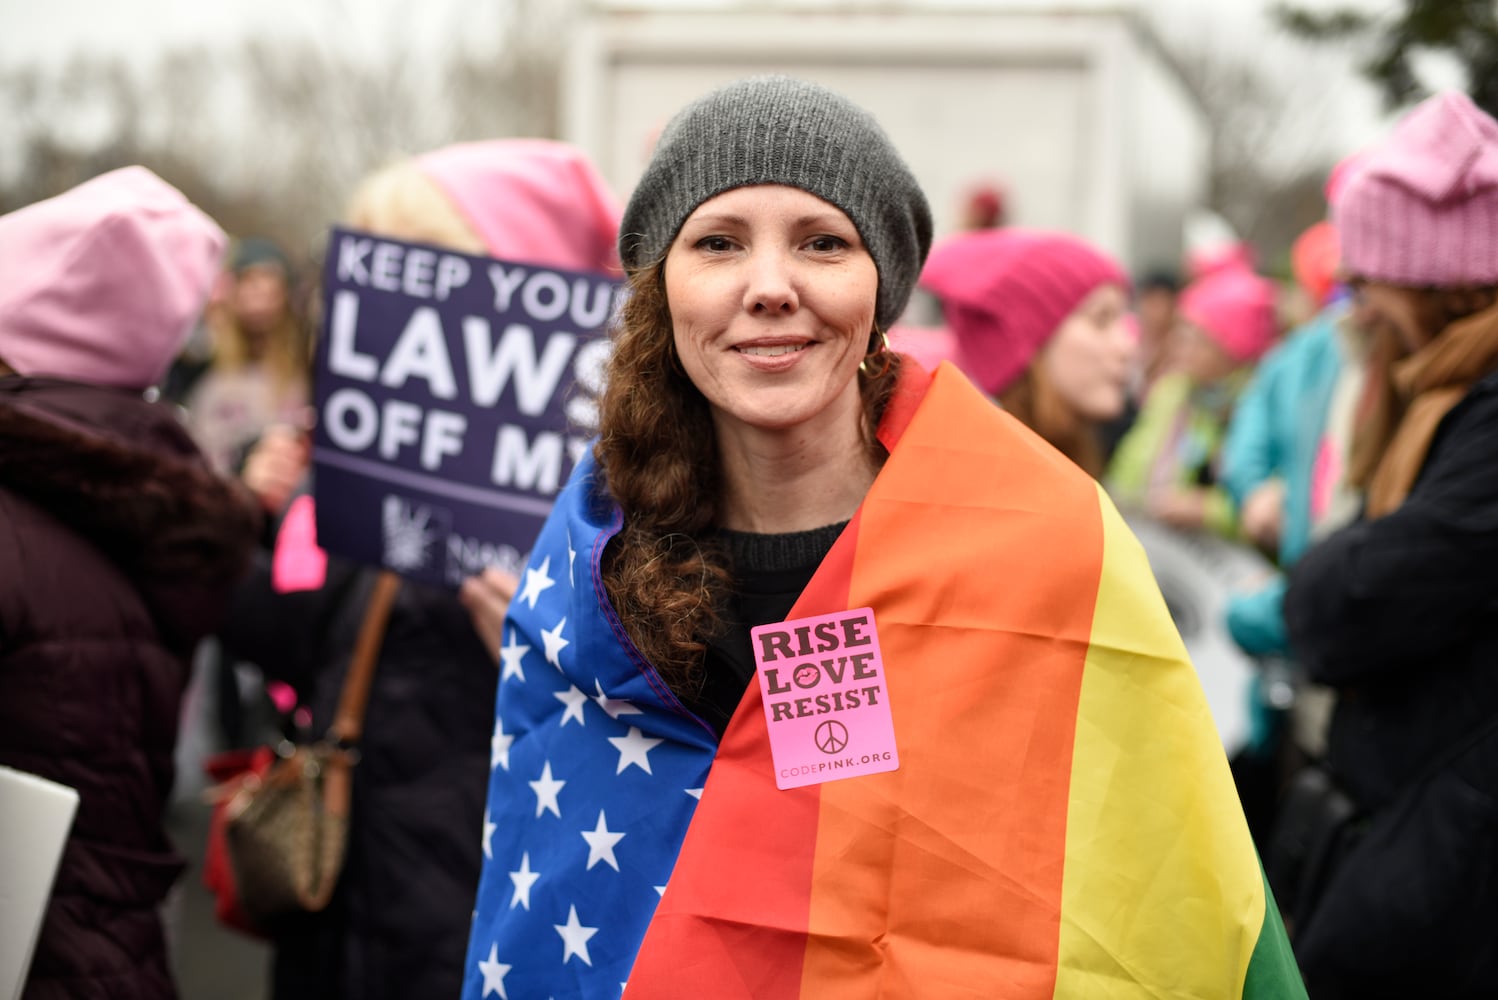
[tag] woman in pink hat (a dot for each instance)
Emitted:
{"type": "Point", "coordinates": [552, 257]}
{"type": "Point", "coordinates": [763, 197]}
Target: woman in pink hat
{"type": "Point", "coordinates": [119, 546]}
{"type": "Point", "coordinates": [1166, 464]}
{"type": "Point", "coordinates": [398, 922]}
{"type": "Point", "coordinates": [1039, 322]}
{"type": "Point", "coordinates": [1398, 612]}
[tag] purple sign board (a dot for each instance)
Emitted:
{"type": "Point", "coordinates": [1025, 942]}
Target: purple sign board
{"type": "Point", "coordinates": [454, 394]}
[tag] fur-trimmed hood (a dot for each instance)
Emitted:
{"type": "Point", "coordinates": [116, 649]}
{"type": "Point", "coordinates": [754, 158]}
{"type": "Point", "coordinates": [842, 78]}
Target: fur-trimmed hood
{"type": "Point", "coordinates": [124, 474]}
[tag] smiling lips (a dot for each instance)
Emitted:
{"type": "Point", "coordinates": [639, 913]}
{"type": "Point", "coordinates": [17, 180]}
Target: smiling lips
{"type": "Point", "coordinates": [771, 350]}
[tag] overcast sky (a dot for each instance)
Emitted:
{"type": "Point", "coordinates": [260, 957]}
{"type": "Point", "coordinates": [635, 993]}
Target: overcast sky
{"type": "Point", "coordinates": [51, 31]}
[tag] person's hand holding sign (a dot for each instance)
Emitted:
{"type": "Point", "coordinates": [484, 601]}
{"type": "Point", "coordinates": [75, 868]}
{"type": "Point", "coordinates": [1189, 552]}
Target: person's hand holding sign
{"type": "Point", "coordinates": [487, 597]}
{"type": "Point", "coordinates": [276, 465]}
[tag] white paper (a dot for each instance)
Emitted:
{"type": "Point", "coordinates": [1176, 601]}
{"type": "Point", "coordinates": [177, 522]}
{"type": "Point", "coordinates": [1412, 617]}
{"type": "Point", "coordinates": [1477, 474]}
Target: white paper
{"type": "Point", "coordinates": [35, 816]}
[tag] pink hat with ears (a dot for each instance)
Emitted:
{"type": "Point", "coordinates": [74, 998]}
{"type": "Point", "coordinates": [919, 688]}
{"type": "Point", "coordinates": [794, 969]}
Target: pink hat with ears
{"type": "Point", "coordinates": [104, 282]}
{"type": "Point", "coordinates": [1421, 208]}
{"type": "Point", "coordinates": [531, 200]}
{"type": "Point", "coordinates": [1236, 308]}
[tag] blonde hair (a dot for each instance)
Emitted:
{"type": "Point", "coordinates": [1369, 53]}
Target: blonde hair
{"type": "Point", "coordinates": [285, 356]}
{"type": "Point", "coordinates": [402, 202]}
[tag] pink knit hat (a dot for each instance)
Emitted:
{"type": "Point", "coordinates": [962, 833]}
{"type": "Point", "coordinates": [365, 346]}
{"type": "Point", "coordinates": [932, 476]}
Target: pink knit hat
{"type": "Point", "coordinates": [531, 200]}
{"type": "Point", "coordinates": [104, 282]}
{"type": "Point", "coordinates": [1236, 308]}
{"type": "Point", "coordinates": [1005, 291]}
{"type": "Point", "coordinates": [1421, 209]}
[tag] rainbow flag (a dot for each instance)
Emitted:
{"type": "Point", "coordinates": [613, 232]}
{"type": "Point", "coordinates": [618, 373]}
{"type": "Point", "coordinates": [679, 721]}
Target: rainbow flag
{"type": "Point", "coordinates": [1062, 823]}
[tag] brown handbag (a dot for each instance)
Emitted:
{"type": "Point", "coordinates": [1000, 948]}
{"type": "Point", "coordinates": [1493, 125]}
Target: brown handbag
{"type": "Point", "coordinates": [286, 830]}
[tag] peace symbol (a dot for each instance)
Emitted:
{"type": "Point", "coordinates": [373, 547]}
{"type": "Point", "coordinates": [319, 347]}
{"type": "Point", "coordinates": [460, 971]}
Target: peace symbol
{"type": "Point", "coordinates": [831, 736]}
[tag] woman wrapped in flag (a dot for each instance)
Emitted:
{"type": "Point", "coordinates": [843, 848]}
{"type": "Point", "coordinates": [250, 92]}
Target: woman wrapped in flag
{"type": "Point", "coordinates": [826, 677]}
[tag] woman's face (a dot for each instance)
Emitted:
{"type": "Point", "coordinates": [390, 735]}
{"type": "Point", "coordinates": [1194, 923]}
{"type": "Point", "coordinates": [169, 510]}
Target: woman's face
{"type": "Point", "coordinates": [772, 297]}
{"type": "Point", "coordinates": [1393, 308]}
{"type": "Point", "coordinates": [1088, 358]}
{"type": "Point", "coordinates": [259, 299]}
{"type": "Point", "coordinates": [1197, 353]}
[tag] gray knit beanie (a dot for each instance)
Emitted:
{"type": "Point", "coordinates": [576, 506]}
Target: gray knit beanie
{"type": "Point", "coordinates": [780, 130]}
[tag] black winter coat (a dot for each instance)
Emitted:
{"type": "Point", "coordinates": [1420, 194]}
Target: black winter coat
{"type": "Point", "coordinates": [397, 927]}
{"type": "Point", "coordinates": [118, 548]}
{"type": "Point", "coordinates": [1400, 615]}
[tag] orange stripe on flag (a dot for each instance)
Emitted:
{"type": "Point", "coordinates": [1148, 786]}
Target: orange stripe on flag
{"type": "Point", "coordinates": [980, 551]}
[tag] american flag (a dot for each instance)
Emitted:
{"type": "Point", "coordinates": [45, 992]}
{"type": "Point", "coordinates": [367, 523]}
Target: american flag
{"type": "Point", "coordinates": [595, 771]}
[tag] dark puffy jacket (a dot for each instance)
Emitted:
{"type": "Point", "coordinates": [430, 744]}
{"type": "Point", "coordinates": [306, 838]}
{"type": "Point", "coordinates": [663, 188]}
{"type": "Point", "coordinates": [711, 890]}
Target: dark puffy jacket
{"type": "Point", "coordinates": [398, 924]}
{"type": "Point", "coordinates": [1400, 615]}
{"type": "Point", "coordinates": [118, 549]}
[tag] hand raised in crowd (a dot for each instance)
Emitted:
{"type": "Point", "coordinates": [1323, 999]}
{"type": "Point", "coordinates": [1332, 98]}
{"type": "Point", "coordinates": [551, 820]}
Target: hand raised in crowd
{"type": "Point", "coordinates": [275, 466]}
{"type": "Point", "coordinates": [487, 597]}
{"type": "Point", "coordinates": [1178, 508]}
{"type": "Point", "coordinates": [1262, 514]}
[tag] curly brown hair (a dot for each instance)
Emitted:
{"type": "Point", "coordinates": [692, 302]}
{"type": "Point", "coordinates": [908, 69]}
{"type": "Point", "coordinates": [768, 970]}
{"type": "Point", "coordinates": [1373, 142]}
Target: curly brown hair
{"type": "Point", "coordinates": [665, 575]}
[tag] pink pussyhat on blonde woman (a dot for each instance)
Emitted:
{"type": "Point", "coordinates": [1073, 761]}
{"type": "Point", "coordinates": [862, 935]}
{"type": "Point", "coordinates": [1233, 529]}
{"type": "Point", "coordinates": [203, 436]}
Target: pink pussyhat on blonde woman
{"type": "Point", "coordinates": [531, 200]}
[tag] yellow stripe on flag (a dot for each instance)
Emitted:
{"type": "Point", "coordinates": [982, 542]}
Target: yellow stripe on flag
{"type": "Point", "coordinates": [1162, 884]}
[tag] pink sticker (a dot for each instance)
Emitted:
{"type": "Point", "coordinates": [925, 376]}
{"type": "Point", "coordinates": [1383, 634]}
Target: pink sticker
{"type": "Point", "coordinates": [825, 698]}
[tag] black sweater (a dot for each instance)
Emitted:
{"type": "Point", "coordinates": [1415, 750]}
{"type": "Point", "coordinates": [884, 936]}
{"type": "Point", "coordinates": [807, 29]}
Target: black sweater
{"type": "Point", "coordinates": [769, 573]}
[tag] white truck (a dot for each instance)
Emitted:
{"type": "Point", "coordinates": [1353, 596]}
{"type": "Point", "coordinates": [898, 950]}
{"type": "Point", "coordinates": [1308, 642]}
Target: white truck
{"type": "Point", "coordinates": [1074, 110]}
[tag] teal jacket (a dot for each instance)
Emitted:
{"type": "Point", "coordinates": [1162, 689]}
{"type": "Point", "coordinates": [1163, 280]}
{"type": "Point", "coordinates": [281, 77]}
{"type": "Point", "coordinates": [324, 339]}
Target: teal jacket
{"type": "Point", "coordinates": [1276, 432]}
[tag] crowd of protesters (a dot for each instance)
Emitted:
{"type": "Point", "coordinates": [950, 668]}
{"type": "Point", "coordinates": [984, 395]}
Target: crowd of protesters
{"type": "Point", "coordinates": [769, 397]}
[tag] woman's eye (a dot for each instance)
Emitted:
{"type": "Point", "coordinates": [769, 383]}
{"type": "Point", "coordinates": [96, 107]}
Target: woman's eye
{"type": "Point", "coordinates": [826, 244]}
{"type": "Point", "coordinates": [714, 244]}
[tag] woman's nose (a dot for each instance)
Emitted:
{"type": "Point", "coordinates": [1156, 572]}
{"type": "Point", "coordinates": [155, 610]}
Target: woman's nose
{"type": "Point", "coordinates": [771, 284]}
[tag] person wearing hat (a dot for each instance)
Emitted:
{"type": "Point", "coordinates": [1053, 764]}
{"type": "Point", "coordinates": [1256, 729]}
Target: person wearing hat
{"type": "Point", "coordinates": [1040, 324]}
{"type": "Point", "coordinates": [1396, 611]}
{"type": "Point", "coordinates": [258, 374]}
{"type": "Point", "coordinates": [1166, 465]}
{"type": "Point", "coordinates": [826, 676]}
{"type": "Point", "coordinates": [119, 546]}
{"type": "Point", "coordinates": [396, 926]}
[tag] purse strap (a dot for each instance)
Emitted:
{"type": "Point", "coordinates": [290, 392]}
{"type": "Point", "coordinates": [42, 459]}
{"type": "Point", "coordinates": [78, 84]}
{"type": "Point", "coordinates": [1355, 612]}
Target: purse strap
{"type": "Point", "coordinates": [348, 723]}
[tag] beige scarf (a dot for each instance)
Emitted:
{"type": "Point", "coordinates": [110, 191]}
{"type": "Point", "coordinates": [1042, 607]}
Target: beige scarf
{"type": "Point", "coordinates": [1431, 381]}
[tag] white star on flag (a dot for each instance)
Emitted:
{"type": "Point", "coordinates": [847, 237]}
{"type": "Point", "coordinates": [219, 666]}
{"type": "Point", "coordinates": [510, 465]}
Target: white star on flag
{"type": "Point", "coordinates": [523, 879]}
{"type": "Point", "coordinates": [571, 558]}
{"type": "Point", "coordinates": [615, 707]}
{"type": "Point", "coordinates": [660, 890]}
{"type": "Point", "coordinates": [574, 698]}
{"type": "Point", "coordinates": [511, 655]}
{"type": "Point", "coordinates": [695, 793]}
{"type": "Point", "coordinates": [575, 938]}
{"type": "Point", "coordinates": [601, 841]}
{"type": "Point", "coordinates": [489, 829]}
{"type": "Point", "coordinates": [536, 581]}
{"type": "Point", "coordinates": [494, 973]}
{"type": "Point", "coordinates": [633, 748]}
{"type": "Point", "coordinates": [546, 790]}
{"type": "Point", "coordinates": [552, 638]}
{"type": "Point", "coordinates": [499, 747]}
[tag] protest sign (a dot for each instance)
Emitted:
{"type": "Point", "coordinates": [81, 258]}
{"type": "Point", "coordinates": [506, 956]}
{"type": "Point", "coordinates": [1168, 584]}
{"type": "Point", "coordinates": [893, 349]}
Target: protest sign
{"type": "Point", "coordinates": [454, 394]}
{"type": "Point", "coordinates": [826, 702]}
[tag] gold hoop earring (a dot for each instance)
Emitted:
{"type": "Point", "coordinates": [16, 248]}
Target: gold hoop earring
{"type": "Point", "coordinates": [882, 349]}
